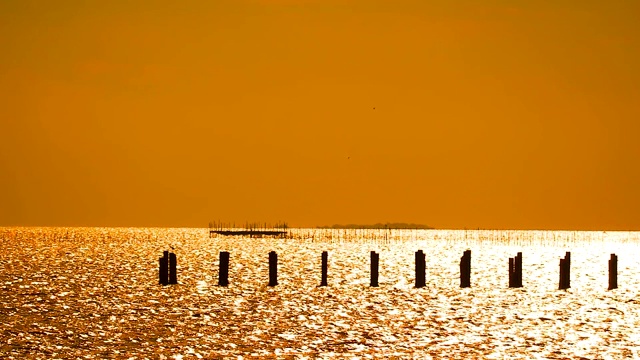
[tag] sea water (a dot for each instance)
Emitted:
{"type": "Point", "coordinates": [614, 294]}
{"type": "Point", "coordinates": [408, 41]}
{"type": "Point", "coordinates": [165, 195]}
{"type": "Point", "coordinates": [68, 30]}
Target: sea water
{"type": "Point", "coordinates": [94, 293]}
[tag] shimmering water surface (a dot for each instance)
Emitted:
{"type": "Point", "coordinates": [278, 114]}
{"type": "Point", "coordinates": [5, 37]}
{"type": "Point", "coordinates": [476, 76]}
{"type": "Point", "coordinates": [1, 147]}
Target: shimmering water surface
{"type": "Point", "coordinates": [94, 293]}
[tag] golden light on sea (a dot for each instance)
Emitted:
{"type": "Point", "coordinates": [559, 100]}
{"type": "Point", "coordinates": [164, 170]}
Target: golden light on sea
{"type": "Point", "coordinates": [94, 293]}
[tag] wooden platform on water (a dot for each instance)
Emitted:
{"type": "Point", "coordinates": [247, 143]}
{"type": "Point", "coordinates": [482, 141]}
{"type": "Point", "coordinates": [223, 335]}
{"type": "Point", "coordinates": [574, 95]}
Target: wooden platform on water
{"type": "Point", "coordinates": [250, 233]}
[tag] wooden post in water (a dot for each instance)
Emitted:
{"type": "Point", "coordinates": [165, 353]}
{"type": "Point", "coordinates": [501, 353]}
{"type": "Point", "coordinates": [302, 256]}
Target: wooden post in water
{"type": "Point", "coordinates": [565, 272]}
{"type": "Point", "coordinates": [375, 260]}
{"type": "Point", "coordinates": [223, 272]}
{"type": "Point", "coordinates": [613, 272]}
{"type": "Point", "coordinates": [421, 280]}
{"type": "Point", "coordinates": [515, 271]}
{"type": "Point", "coordinates": [325, 264]}
{"type": "Point", "coordinates": [173, 274]}
{"type": "Point", "coordinates": [561, 280]}
{"type": "Point", "coordinates": [164, 269]}
{"type": "Point", "coordinates": [511, 273]}
{"type": "Point", "coordinates": [518, 270]}
{"type": "Point", "coordinates": [465, 269]}
{"type": "Point", "coordinates": [273, 268]}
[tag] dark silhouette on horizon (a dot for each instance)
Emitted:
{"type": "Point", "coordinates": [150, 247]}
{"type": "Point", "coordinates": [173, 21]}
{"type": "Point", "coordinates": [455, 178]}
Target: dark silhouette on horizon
{"type": "Point", "coordinates": [396, 226]}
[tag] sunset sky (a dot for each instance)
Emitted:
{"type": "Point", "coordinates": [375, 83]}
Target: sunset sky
{"type": "Point", "coordinates": [492, 114]}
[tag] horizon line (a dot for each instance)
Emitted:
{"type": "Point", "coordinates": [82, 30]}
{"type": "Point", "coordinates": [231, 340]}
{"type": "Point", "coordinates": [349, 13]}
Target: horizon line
{"type": "Point", "coordinates": [317, 228]}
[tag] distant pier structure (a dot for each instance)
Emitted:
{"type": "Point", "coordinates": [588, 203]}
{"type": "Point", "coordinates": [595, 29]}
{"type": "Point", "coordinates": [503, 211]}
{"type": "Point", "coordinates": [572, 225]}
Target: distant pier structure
{"type": "Point", "coordinates": [280, 229]}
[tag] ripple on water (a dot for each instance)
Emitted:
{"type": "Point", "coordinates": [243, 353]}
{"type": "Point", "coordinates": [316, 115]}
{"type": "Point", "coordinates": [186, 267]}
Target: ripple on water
{"type": "Point", "coordinates": [93, 293]}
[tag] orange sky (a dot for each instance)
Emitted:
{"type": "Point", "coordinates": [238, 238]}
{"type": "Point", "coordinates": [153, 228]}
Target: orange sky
{"type": "Point", "coordinates": [491, 114]}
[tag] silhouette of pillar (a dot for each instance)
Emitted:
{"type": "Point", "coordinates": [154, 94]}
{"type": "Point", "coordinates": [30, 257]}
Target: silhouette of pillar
{"type": "Point", "coordinates": [515, 271]}
{"type": "Point", "coordinates": [511, 273]}
{"type": "Point", "coordinates": [223, 272]}
{"type": "Point", "coordinates": [465, 269]}
{"type": "Point", "coordinates": [273, 268]}
{"type": "Point", "coordinates": [375, 260]}
{"type": "Point", "coordinates": [518, 270]}
{"type": "Point", "coordinates": [562, 270]}
{"type": "Point", "coordinates": [325, 264]}
{"type": "Point", "coordinates": [567, 256]}
{"type": "Point", "coordinates": [173, 274]}
{"type": "Point", "coordinates": [164, 269]}
{"type": "Point", "coordinates": [565, 272]}
{"type": "Point", "coordinates": [613, 272]}
{"type": "Point", "coordinates": [421, 280]}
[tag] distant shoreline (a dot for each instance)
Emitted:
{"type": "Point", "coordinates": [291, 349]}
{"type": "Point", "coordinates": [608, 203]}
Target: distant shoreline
{"type": "Point", "coordinates": [399, 226]}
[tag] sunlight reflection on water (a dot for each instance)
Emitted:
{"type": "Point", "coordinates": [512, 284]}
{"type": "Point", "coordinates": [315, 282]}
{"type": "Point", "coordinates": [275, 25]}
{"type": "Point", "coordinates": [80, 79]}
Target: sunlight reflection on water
{"type": "Point", "coordinates": [93, 293]}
